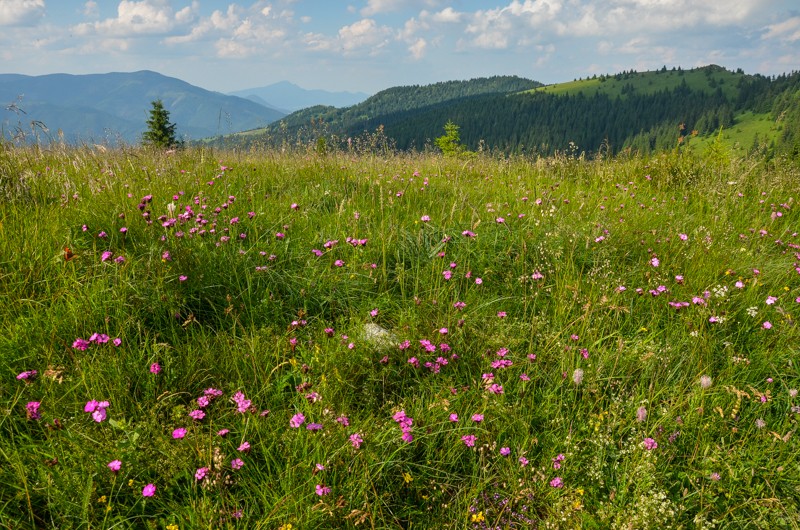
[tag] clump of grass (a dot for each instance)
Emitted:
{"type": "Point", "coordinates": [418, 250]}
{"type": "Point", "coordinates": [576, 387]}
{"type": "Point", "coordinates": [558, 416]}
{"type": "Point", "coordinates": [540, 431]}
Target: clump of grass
{"type": "Point", "coordinates": [565, 343]}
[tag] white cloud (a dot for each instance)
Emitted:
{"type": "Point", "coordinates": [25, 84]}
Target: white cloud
{"type": "Point", "coordinates": [21, 12]}
{"type": "Point", "coordinates": [134, 18]}
{"type": "Point", "coordinates": [90, 9]}
{"type": "Point", "coordinates": [363, 34]}
{"type": "Point", "coordinates": [447, 15]}
{"type": "Point", "coordinates": [786, 31]}
{"type": "Point", "coordinates": [417, 49]}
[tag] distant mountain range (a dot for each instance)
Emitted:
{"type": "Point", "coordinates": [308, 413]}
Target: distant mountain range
{"type": "Point", "coordinates": [110, 107]}
{"type": "Point", "coordinates": [288, 97]}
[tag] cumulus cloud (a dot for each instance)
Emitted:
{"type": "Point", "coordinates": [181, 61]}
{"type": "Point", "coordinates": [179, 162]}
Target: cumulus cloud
{"type": "Point", "coordinates": [138, 17]}
{"type": "Point", "coordinates": [786, 31]}
{"type": "Point", "coordinates": [375, 7]}
{"type": "Point", "coordinates": [90, 9]}
{"type": "Point", "coordinates": [363, 34]}
{"type": "Point", "coordinates": [21, 12]}
{"type": "Point", "coordinates": [417, 49]}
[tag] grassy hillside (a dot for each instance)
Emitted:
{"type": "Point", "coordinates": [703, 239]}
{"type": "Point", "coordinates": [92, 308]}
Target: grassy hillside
{"type": "Point", "coordinates": [706, 79]}
{"type": "Point", "coordinates": [219, 339]}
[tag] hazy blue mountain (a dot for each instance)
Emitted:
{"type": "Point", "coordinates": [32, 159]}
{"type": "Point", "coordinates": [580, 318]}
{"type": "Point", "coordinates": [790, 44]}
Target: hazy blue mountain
{"type": "Point", "coordinates": [290, 97]}
{"type": "Point", "coordinates": [114, 106]}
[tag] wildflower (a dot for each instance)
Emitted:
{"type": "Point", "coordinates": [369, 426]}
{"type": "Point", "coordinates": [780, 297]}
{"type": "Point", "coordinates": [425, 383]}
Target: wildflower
{"type": "Point", "coordinates": [505, 451]}
{"type": "Point", "coordinates": [356, 440]}
{"type": "Point", "coordinates": [469, 440]}
{"type": "Point", "coordinates": [523, 461]}
{"type": "Point", "coordinates": [373, 313]}
{"type": "Point", "coordinates": [237, 463]}
{"type": "Point", "coordinates": [322, 490]}
{"type": "Point", "coordinates": [32, 410]}
{"type": "Point", "coordinates": [425, 218]}
{"type": "Point", "coordinates": [760, 423]}
{"type": "Point", "coordinates": [244, 447]}
{"type": "Point", "coordinates": [649, 444]}
{"type": "Point", "coordinates": [223, 432]}
{"type": "Point", "coordinates": [149, 490]}
{"type": "Point", "coordinates": [478, 281]}
{"type": "Point", "coordinates": [771, 300]}
{"type": "Point", "coordinates": [344, 421]}
{"type": "Point", "coordinates": [453, 417]}
{"type": "Point", "coordinates": [584, 353]}
{"type": "Point", "coordinates": [339, 263]}
{"type": "Point", "coordinates": [683, 237]}
{"type": "Point", "coordinates": [183, 278]}
{"type": "Point", "coordinates": [242, 403]}
{"type": "Point", "coordinates": [97, 408]}
{"type": "Point", "coordinates": [524, 377]}
{"type": "Point", "coordinates": [577, 376]}
{"type": "Point", "coordinates": [27, 375]}
{"type": "Point", "coordinates": [115, 465]}
{"type": "Point", "coordinates": [715, 476]}
{"type": "Point", "coordinates": [447, 274]}
{"type": "Point", "coordinates": [477, 418]}
{"type": "Point", "coordinates": [494, 388]}
{"type": "Point", "coordinates": [314, 426]}
{"type": "Point", "coordinates": [297, 420]}
{"type": "Point", "coordinates": [80, 344]}
{"type": "Point", "coordinates": [155, 368]}
{"type": "Point", "coordinates": [178, 433]}
{"type": "Point", "coordinates": [557, 482]}
{"type": "Point", "coordinates": [767, 324]}
{"type": "Point", "coordinates": [106, 255]}
{"type": "Point", "coordinates": [641, 414]}
{"type": "Point", "coordinates": [501, 314]}
{"type": "Point", "coordinates": [655, 262]}
{"type": "Point", "coordinates": [117, 342]}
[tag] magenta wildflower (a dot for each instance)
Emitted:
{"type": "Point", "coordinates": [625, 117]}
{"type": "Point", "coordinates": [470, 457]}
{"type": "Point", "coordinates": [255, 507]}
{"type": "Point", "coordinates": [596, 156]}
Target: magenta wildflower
{"type": "Point", "coordinates": [223, 432]}
{"type": "Point", "coordinates": [322, 490]}
{"type": "Point", "coordinates": [344, 421]}
{"type": "Point", "coordinates": [649, 444]}
{"type": "Point", "coordinates": [237, 463]}
{"type": "Point", "coordinates": [242, 403]}
{"type": "Point", "coordinates": [453, 417]}
{"type": "Point", "coordinates": [115, 465]}
{"type": "Point", "coordinates": [523, 461]}
{"type": "Point", "coordinates": [183, 278]}
{"type": "Point", "coordinates": [477, 418]}
{"type": "Point", "coordinates": [767, 324]}
{"type": "Point", "coordinates": [494, 388]}
{"type": "Point", "coordinates": [641, 414]}
{"type": "Point", "coordinates": [178, 433]}
{"type": "Point", "coordinates": [32, 410]}
{"type": "Point", "coordinates": [356, 440]}
{"type": "Point", "coordinates": [425, 218]}
{"type": "Point", "coordinates": [314, 426]}
{"type": "Point", "coordinates": [155, 368]}
{"type": "Point", "coordinates": [80, 344]}
{"type": "Point", "coordinates": [201, 473]}
{"type": "Point", "coordinates": [106, 255]}
{"type": "Point", "coordinates": [469, 440]}
{"type": "Point", "coordinates": [197, 414]}
{"type": "Point", "coordinates": [27, 375]}
{"type": "Point", "coordinates": [149, 490]}
{"type": "Point", "coordinates": [557, 482]}
{"type": "Point", "coordinates": [297, 420]}
{"type": "Point", "coordinates": [505, 451]}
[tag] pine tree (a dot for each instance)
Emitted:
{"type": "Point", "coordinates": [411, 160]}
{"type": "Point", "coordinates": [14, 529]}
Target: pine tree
{"type": "Point", "coordinates": [160, 132]}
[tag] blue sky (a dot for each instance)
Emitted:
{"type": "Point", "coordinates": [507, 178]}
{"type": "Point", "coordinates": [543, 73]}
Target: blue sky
{"type": "Point", "coordinates": [369, 45]}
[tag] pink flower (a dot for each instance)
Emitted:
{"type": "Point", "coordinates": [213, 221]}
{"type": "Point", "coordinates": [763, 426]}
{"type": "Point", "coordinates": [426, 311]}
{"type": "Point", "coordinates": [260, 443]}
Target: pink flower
{"type": "Point", "coordinates": [114, 465]}
{"type": "Point", "coordinates": [32, 410]}
{"type": "Point", "coordinates": [322, 490]}
{"type": "Point", "coordinates": [155, 368]}
{"type": "Point", "coordinates": [80, 344]}
{"type": "Point", "coordinates": [557, 482]}
{"type": "Point", "coordinates": [237, 463]}
{"type": "Point", "coordinates": [469, 440]}
{"type": "Point", "coordinates": [201, 473]}
{"type": "Point", "coordinates": [767, 324]}
{"type": "Point", "coordinates": [478, 281]}
{"type": "Point", "coordinates": [356, 440]}
{"type": "Point", "coordinates": [106, 255]}
{"type": "Point", "coordinates": [223, 432]}
{"type": "Point", "coordinates": [505, 451]}
{"type": "Point", "coordinates": [197, 414]}
{"type": "Point", "coordinates": [149, 490]}
{"type": "Point", "coordinates": [477, 418]}
{"type": "Point", "coordinates": [296, 421]}
{"type": "Point", "coordinates": [178, 433]}
{"type": "Point", "coordinates": [649, 444]}
{"type": "Point", "coordinates": [245, 446]}
{"type": "Point", "coordinates": [453, 417]}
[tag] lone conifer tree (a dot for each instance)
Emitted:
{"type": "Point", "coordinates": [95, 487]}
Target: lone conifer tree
{"type": "Point", "coordinates": [160, 132]}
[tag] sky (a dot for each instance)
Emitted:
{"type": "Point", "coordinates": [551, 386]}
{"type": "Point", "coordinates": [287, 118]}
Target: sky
{"type": "Point", "coordinates": [370, 45]}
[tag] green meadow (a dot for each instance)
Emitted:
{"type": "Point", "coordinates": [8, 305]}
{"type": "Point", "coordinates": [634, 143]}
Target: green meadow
{"type": "Point", "coordinates": [292, 340]}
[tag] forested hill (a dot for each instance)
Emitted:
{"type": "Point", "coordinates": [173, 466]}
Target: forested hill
{"type": "Point", "coordinates": [397, 100]}
{"type": "Point", "coordinates": [641, 111]}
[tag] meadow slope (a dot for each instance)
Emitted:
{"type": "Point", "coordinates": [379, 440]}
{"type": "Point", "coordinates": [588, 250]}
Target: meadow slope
{"type": "Point", "coordinates": [268, 340]}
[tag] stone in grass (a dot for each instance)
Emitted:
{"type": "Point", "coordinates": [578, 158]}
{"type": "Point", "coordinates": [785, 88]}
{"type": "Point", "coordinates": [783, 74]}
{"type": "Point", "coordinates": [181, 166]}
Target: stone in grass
{"type": "Point", "coordinates": [379, 337]}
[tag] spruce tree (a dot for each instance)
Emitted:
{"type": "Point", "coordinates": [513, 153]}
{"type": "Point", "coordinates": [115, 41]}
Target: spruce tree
{"type": "Point", "coordinates": [160, 132]}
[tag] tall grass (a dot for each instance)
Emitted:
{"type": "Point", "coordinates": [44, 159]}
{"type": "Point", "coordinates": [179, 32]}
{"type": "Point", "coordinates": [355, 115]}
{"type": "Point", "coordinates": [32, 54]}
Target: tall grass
{"type": "Point", "coordinates": [618, 336]}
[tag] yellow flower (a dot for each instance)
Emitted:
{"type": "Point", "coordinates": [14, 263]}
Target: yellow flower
{"type": "Point", "coordinates": [172, 527]}
{"type": "Point", "coordinates": [579, 491]}
{"type": "Point", "coordinates": [407, 477]}
{"type": "Point", "coordinates": [102, 499]}
{"type": "Point", "coordinates": [287, 526]}
{"type": "Point", "coordinates": [130, 483]}
{"type": "Point", "coordinates": [478, 517]}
